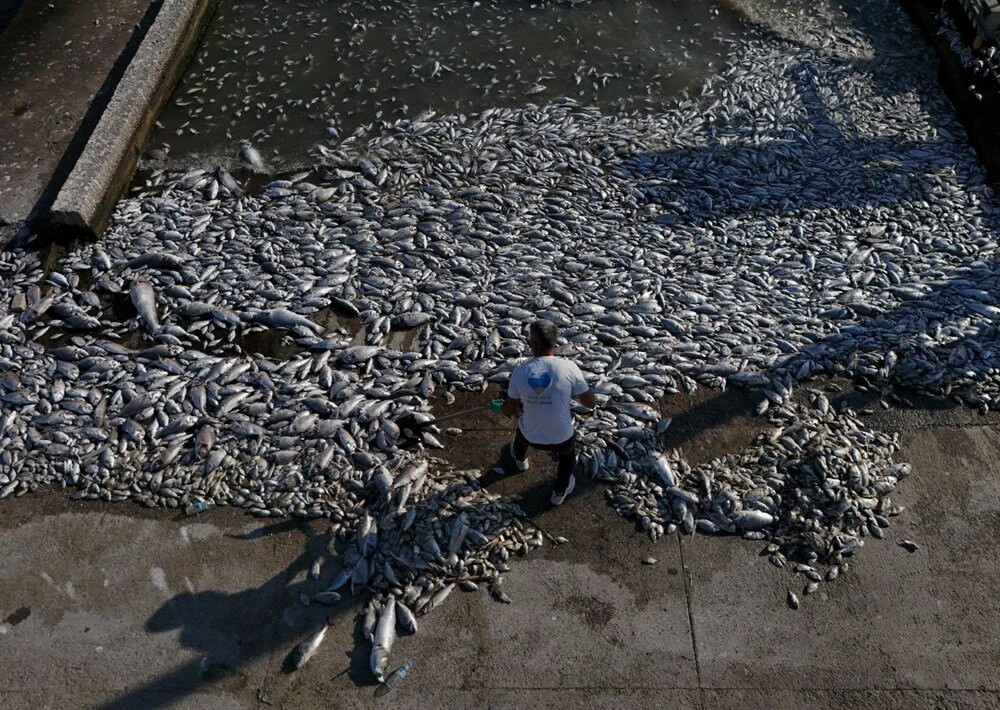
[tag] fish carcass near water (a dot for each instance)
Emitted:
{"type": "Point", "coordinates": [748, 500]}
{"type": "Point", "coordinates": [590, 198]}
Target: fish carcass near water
{"type": "Point", "coordinates": [735, 239]}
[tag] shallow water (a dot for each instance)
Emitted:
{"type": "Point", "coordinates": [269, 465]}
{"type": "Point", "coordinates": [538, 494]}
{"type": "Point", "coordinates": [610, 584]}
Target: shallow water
{"type": "Point", "coordinates": [277, 72]}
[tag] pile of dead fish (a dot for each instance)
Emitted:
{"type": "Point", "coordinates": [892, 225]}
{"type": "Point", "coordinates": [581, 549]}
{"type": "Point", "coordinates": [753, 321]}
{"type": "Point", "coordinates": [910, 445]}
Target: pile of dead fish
{"type": "Point", "coordinates": [814, 209]}
{"type": "Point", "coordinates": [814, 487]}
{"type": "Point", "coordinates": [421, 535]}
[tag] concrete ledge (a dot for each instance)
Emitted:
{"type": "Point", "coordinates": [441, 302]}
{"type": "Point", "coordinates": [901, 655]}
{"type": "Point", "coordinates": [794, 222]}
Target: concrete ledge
{"type": "Point", "coordinates": [105, 167]}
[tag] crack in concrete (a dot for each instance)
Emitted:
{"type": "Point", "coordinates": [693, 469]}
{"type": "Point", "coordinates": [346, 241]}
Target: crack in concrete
{"type": "Point", "coordinates": [694, 640]}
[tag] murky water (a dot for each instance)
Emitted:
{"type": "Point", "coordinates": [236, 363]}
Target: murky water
{"type": "Point", "coordinates": [288, 75]}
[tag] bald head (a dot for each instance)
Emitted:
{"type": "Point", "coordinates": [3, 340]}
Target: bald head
{"type": "Point", "coordinates": [542, 336]}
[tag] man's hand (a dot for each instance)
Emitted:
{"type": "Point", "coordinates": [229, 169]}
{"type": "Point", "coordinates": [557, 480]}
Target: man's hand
{"type": "Point", "coordinates": [511, 407]}
{"type": "Point", "coordinates": [587, 399]}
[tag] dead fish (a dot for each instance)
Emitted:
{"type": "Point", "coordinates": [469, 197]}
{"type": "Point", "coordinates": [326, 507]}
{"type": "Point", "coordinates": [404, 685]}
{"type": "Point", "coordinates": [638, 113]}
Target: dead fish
{"type": "Point", "coordinates": [307, 648]}
{"type": "Point", "coordinates": [326, 597]}
{"type": "Point", "coordinates": [343, 307]}
{"type": "Point", "coordinates": [144, 300]}
{"type": "Point", "coordinates": [459, 529]}
{"type": "Point", "coordinates": [663, 469]}
{"type": "Point", "coordinates": [370, 619]}
{"type": "Point", "coordinates": [793, 601]}
{"type": "Point", "coordinates": [340, 579]}
{"type": "Point", "coordinates": [158, 260]}
{"type": "Point", "coordinates": [497, 592]}
{"type": "Point", "coordinates": [405, 618]}
{"type": "Point", "coordinates": [909, 545]}
{"type": "Point", "coordinates": [378, 661]}
{"type": "Point", "coordinates": [411, 320]}
{"type": "Point", "coordinates": [438, 597]}
{"type": "Point", "coordinates": [284, 318]}
{"type": "Point", "coordinates": [228, 182]}
{"type": "Point", "coordinates": [385, 629]}
{"type": "Point", "coordinates": [251, 156]}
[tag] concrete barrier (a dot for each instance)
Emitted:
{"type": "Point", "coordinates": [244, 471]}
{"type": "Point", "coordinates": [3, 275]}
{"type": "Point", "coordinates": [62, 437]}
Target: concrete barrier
{"type": "Point", "coordinates": [105, 167]}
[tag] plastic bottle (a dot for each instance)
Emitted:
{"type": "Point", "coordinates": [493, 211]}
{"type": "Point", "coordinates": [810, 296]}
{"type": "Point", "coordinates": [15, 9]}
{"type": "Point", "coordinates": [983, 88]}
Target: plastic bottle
{"type": "Point", "coordinates": [196, 507]}
{"type": "Point", "coordinates": [395, 678]}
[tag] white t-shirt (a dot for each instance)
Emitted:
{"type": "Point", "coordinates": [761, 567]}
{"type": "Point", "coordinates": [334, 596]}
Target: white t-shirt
{"type": "Point", "coordinates": [545, 385]}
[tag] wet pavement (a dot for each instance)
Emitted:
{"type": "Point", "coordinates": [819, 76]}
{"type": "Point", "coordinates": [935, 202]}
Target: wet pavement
{"type": "Point", "coordinates": [290, 75]}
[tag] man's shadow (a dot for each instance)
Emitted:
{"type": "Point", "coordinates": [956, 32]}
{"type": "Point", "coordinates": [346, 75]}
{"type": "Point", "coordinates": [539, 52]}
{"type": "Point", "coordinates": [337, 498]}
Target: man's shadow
{"type": "Point", "coordinates": [229, 631]}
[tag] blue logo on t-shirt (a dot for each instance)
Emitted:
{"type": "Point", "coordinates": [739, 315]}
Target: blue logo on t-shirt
{"type": "Point", "coordinates": [539, 381]}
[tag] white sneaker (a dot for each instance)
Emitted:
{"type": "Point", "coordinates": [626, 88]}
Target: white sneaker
{"type": "Point", "coordinates": [508, 452]}
{"type": "Point", "coordinates": [558, 499]}
{"type": "Point", "coordinates": [521, 466]}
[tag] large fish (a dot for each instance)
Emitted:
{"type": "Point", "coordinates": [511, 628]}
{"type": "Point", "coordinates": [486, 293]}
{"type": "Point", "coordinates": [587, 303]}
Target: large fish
{"type": "Point", "coordinates": [144, 299]}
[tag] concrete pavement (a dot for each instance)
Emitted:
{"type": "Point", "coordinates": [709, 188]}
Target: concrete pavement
{"type": "Point", "coordinates": [59, 62]}
{"type": "Point", "coordinates": [119, 606]}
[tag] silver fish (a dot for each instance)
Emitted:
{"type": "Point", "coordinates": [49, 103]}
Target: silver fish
{"type": "Point", "coordinates": [307, 648]}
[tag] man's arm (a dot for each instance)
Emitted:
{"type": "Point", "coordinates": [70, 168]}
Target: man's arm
{"type": "Point", "coordinates": [512, 397]}
{"type": "Point", "coordinates": [581, 390]}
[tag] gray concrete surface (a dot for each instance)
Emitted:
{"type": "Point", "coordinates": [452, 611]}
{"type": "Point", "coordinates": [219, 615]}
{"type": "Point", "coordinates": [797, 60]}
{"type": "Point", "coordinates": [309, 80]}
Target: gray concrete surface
{"type": "Point", "coordinates": [118, 606]}
{"type": "Point", "coordinates": [105, 166]}
{"type": "Point", "coordinates": [54, 58]}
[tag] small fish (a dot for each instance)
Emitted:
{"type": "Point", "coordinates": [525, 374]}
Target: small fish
{"type": "Point", "coordinates": [157, 260]}
{"type": "Point", "coordinates": [371, 618]}
{"type": "Point", "coordinates": [307, 648]}
{"type": "Point", "coordinates": [286, 319]}
{"type": "Point", "coordinates": [793, 601]}
{"type": "Point", "coordinates": [251, 156]}
{"type": "Point", "coordinates": [649, 561]}
{"type": "Point", "coordinates": [405, 618]}
{"type": "Point", "coordinates": [498, 594]}
{"type": "Point", "coordinates": [909, 545]}
{"type": "Point", "coordinates": [326, 597]}
{"type": "Point", "coordinates": [439, 596]}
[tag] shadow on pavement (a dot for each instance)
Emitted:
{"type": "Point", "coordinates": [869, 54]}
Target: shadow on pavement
{"type": "Point", "coordinates": [231, 630]}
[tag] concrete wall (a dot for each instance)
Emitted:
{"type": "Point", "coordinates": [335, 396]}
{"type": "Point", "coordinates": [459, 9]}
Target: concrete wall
{"type": "Point", "coordinates": [105, 167]}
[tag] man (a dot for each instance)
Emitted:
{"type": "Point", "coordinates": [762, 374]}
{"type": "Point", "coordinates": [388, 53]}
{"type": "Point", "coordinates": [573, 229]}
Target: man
{"type": "Point", "coordinates": [540, 391]}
